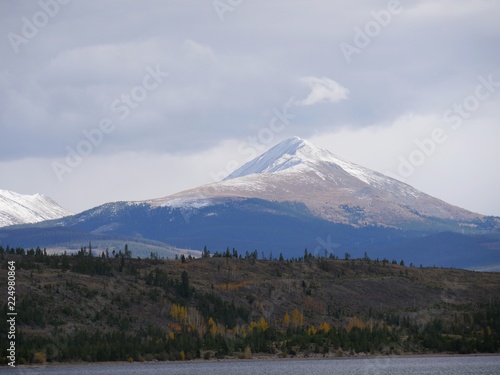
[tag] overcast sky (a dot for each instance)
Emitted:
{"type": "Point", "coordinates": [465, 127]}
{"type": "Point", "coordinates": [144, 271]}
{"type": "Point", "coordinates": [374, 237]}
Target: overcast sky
{"type": "Point", "coordinates": [129, 100]}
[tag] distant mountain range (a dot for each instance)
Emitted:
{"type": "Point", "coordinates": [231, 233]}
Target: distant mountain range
{"type": "Point", "coordinates": [23, 209]}
{"type": "Point", "coordinates": [294, 196]}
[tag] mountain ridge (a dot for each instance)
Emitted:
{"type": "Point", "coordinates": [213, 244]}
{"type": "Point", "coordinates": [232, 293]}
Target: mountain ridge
{"type": "Point", "coordinates": [16, 209]}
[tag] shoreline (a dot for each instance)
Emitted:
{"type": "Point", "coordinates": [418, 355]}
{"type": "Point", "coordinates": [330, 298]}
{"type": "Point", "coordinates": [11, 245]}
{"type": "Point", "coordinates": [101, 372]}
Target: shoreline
{"type": "Point", "coordinates": [256, 358]}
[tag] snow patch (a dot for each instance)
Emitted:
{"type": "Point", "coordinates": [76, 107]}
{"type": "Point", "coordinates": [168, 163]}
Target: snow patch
{"type": "Point", "coordinates": [183, 202]}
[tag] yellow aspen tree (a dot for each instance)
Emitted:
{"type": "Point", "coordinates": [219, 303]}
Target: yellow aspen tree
{"type": "Point", "coordinates": [297, 318]}
{"type": "Point", "coordinates": [355, 323]}
{"type": "Point", "coordinates": [252, 326]}
{"type": "Point", "coordinates": [286, 320]}
{"type": "Point", "coordinates": [325, 327]}
{"type": "Point", "coordinates": [174, 311]}
{"type": "Point", "coordinates": [311, 331]}
{"type": "Point", "coordinates": [263, 324]}
{"type": "Point", "coordinates": [212, 327]}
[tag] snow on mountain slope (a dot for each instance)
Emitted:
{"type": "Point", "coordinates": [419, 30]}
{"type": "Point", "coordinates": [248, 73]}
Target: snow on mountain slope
{"type": "Point", "coordinates": [298, 155]}
{"type": "Point", "coordinates": [295, 155]}
{"type": "Point", "coordinates": [332, 188]}
{"type": "Point", "coordinates": [23, 209]}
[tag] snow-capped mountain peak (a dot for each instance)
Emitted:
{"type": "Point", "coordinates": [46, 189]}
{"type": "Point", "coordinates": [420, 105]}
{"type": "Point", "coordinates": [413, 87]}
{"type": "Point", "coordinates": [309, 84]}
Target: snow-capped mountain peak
{"type": "Point", "coordinates": [293, 153]}
{"type": "Point", "coordinates": [298, 155]}
{"type": "Point", "coordinates": [24, 209]}
{"type": "Point", "coordinates": [295, 170]}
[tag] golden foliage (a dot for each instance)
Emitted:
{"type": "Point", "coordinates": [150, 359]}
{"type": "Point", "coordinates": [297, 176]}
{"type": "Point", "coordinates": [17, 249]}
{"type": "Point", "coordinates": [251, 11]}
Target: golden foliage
{"type": "Point", "coordinates": [40, 358]}
{"type": "Point", "coordinates": [212, 327]}
{"type": "Point", "coordinates": [297, 318]}
{"type": "Point", "coordinates": [189, 317]}
{"type": "Point", "coordinates": [311, 331]}
{"type": "Point", "coordinates": [325, 327]}
{"type": "Point", "coordinates": [286, 320]}
{"type": "Point", "coordinates": [260, 325]}
{"type": "Point", "coordinates": [233, 287]}
{"type": "Point", "coordinates": [263, 324]}
{"type": "Point", "coordinates": [355, 323]}
{"type": "Point", "coordinates": [178, 313]}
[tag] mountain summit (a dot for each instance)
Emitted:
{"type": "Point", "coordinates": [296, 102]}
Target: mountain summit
{"type": "Point", "coordinates": [23, 209]}
{"type": "Point", "coordinates": [294, 153]}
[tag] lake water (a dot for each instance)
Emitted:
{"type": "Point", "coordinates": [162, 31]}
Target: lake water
{"type": "Point", "coordinates": [382, 366]}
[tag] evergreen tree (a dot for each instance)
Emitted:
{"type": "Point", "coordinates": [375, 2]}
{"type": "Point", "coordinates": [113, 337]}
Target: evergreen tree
{"type": "Point", "coordinates": [184, 288]}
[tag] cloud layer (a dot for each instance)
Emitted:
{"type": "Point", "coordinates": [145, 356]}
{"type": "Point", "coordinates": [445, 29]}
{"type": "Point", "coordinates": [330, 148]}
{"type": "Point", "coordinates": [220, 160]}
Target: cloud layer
{"type": "Point", "coordinates": [65, 66]}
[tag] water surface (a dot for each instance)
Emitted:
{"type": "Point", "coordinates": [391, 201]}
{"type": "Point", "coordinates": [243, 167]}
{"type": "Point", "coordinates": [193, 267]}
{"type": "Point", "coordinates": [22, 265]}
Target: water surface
{"type": "Point", "coordinates": [487, 365]}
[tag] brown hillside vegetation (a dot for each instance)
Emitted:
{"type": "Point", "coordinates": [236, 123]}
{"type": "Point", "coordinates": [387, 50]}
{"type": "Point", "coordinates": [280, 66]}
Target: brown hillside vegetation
{"type": "Point", "coordinates": [173, 309]}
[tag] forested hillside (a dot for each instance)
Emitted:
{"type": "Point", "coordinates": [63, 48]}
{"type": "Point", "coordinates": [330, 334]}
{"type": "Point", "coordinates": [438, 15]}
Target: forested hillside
{"type": "Point", "coordinates": [111, 306]}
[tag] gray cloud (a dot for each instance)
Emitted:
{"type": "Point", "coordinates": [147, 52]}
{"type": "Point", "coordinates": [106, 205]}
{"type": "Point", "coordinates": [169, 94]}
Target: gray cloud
{"type": "Point", "coordinates": [226, 78]}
